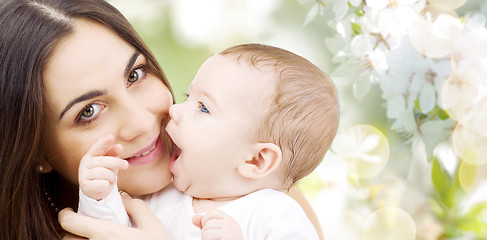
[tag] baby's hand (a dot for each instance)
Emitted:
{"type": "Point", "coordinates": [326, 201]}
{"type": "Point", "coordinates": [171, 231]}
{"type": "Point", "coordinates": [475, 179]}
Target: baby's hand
{"type": "Point", "coordinates": [218, 225]}
{"type": "Point", "coordinates": [99, 167]}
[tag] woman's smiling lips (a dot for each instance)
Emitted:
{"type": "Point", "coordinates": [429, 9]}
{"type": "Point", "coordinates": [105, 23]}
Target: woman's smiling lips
{"type": "Point", "coordinates": [148, 154]}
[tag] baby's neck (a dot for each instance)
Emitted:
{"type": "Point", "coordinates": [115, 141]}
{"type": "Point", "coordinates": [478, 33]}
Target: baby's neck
{"type": "Point", "coordinates": [201, 205]}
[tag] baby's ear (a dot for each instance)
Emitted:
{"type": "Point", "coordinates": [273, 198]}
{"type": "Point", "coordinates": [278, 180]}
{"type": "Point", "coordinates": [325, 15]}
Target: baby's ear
{"type": "Point", "coordinates": [265, 159]}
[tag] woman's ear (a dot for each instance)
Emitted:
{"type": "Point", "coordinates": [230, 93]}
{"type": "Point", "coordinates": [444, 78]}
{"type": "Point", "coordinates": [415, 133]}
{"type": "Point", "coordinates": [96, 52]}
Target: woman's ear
{"type": "Point", "coordinates": [265, 159]}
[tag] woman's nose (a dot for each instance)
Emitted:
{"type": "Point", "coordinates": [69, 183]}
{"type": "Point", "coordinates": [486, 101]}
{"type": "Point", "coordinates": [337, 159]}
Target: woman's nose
{"type": "Point", "coordinates": [175, 113]}
{"type": "Point", "coordinates": [135, 121]}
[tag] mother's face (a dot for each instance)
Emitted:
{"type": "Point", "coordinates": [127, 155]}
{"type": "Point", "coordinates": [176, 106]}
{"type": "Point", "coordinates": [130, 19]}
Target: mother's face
{"type": "Point", "coordinates": [96, 84]}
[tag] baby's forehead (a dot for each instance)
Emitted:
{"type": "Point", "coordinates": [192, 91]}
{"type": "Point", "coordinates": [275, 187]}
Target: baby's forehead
{"type": "Point", "coordinates": [257, 82]}
{"type": "Point", "coordinates": [233, 72]}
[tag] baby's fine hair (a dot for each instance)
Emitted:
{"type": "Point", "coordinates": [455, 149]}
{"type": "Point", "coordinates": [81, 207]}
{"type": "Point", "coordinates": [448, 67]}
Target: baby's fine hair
{"type": "Point", "coordinates": [304, 113]}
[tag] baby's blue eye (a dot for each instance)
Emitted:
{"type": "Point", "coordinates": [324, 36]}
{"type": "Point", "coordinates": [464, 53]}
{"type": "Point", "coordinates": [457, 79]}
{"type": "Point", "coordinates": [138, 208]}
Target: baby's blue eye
{"type": "Point", "coordinates": [203, 108]}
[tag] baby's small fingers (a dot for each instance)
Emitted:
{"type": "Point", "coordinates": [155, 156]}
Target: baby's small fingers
{"type": "Point", "coordinates": [100, 173]}
{"type": "Point", "coordinates": [213, 214]}
{"type": "Point", "coordinates": [211, 234]}
{"type": "Point", "coordinates": [197, 221]}
{"type": "Point", "coordinates": [213, 224]}
{"type": "Point", "coordinates": [114, 151]}
{"type": "Point", "coordinates": [112, 163]}
{"type": "Point", "coordinates": [100, 146]}
{"type": "Point", "coordinates": [96, 189]}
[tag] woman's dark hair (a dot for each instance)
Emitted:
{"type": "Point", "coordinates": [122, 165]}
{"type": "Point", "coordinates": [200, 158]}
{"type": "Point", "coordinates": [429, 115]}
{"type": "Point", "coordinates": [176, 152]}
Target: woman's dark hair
{"type": "Point", "coordinates": [29, 31]}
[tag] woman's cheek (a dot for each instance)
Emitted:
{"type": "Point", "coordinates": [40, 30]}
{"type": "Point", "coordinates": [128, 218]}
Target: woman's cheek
{"type": "Point", "coordinates": [160, 98]}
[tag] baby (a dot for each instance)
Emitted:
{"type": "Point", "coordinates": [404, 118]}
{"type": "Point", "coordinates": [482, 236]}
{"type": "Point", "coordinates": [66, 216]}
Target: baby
{"type": "Point", "coordinates": [257, 119]}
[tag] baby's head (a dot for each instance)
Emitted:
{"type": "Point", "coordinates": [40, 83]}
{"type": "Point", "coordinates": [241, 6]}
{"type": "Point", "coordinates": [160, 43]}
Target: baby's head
{"type": "Point", "coordinates": [256, 117]}
{"type": "Point", "coordinates": [303, 115]}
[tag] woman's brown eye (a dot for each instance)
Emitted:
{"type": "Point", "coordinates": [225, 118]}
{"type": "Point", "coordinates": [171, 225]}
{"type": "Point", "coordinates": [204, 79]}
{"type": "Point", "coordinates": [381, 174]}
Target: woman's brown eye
{"type": "Point", "coordinates": [88, 111]}
{"type": "Point", "coordinates": [133, 77]}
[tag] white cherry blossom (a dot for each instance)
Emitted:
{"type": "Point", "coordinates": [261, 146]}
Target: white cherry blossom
{"type": "Point", "coordinates": [470, 50]}
{"type": "Point", "coordinates": [364, 148]}
{"type": "Point", "coordinates": [438, 7]}
{"type": "Point", "coordinates": [459, 93]}
{"type": "Point", "coordinates": [318, 8]}
{"type": "Point", "coordinates": [340, 7]}
{"type": "Point", "coordinates": [435, 39]}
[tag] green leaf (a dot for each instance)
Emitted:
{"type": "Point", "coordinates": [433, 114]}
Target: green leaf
{"type": "Point", "coordinates": [437, 209]}
{"type": "Point", "coordinates": [359, 12]}
{"type": "Point", "coordinates": [434, 132]}
{"type": "Point", "coordinates": [416, 104]}
{"type": "Point", "coordinates": [440, 113]}
{"type": "Point", "coordinates": [472, 220]}
{"type": "Point", "coordinates": [443, 183]}
{"type": "Point", "coordinates": [356, 28]}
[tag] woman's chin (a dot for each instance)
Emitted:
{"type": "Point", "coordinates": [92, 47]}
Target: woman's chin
{"type": "Point", "coordinates": [139, 187]}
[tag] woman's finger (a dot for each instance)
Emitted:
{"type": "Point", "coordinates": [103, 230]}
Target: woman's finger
{"type": "Point", "coordinates": [140, 212]}
{"type": "Point", "coordinates": [73, 237]}
{"type": "Point", "coordinates": [99, 229]}
{"type": "Point", "coordinates": [143, 217]}
{"type": "Point", "coordinates": [78, 224]}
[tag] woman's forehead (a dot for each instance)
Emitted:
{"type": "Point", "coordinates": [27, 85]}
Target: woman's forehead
{"type": "Point", "coordinates": [91, 57]}
{"type": "Point", "coordinates": [90, 44]}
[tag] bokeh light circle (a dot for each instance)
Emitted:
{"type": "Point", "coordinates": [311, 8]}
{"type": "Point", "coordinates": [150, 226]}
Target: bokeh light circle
{"type": "Point", "coordinates": [389, 223]}
{"type": "Point", "coordinates": [370, 151]}
{"type": "Point", "coordinates": [471, 175]}
{"type": "Point", "coordinates": [457, 95]}
{"type": "Point", "coordinates": [469, 145]}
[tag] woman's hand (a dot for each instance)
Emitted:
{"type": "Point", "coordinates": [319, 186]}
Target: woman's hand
{"type": "Point", "coordinates": [148, 226]}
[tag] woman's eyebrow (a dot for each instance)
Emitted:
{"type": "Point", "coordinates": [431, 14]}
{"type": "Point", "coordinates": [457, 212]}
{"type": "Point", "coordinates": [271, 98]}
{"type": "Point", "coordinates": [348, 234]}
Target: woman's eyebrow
{"type": "Point", "coordinates": [97, 93]}
{"type": "Point", "coordinates": [84, 97]}
{"type": "Point", "coordinates": [131, 62]}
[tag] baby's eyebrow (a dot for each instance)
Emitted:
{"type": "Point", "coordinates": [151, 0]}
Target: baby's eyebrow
{"type": "Point", "coordinates": [210, 97]}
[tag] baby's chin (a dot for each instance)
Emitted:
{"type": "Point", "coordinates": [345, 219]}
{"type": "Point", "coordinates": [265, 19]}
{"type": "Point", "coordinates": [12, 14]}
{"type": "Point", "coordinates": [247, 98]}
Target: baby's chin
{"type": "Point", "coordinates": [180, 185]}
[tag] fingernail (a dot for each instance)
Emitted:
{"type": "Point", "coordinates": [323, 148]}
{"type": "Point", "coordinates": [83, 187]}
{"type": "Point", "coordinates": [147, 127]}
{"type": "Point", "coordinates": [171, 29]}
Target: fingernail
{"type": "Point", "coordinates": [124, 194]}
